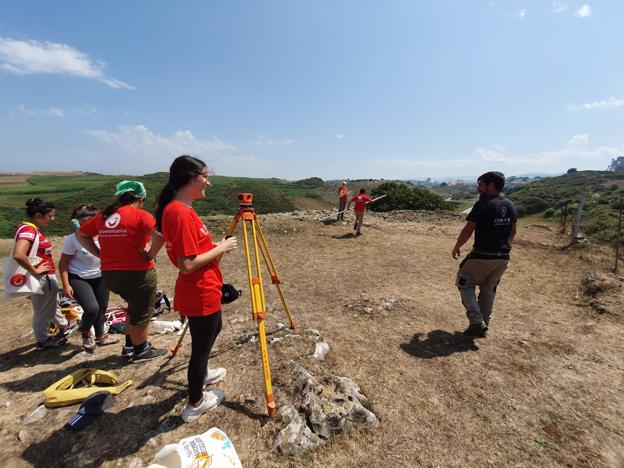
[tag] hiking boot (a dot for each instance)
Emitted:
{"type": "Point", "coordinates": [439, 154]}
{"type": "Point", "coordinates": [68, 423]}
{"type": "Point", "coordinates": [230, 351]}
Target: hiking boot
{"type": "Point", "coordinates": [51, 342]}
{"type": "Point", "coordinates": [476, 330]}
{"type": "Point", "coordinates": [148, 353]}
{"type": "Point", "coordinates": [88, 343]}
{"type": "Point", "coordinates": [106, 341]}
{"type": "Point", "coordinates": [210, 401]}
{"type": "Point", "coordinates": [214, 375]}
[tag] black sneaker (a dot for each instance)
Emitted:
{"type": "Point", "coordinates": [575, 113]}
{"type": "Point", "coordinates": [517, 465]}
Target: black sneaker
{"type": "Point", "coordinates": [127, 351]}
{"type": "Point", "coordinates": [148, 353]}
{"type": "Point", "coordinates": [476, 330]}
{"type": "Point", "coordinates": [51, 342]}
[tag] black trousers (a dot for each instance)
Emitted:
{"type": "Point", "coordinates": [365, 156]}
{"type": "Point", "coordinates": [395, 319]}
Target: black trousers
{"type": "Point", "coordinates": [204, 331]}
{"type": "Point", "coordinates": [92, 295]}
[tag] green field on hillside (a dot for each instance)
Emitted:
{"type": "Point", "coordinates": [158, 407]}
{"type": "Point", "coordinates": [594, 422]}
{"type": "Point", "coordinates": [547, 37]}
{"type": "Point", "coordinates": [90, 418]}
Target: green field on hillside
{"type": "Point", "coordinates": [65, 191]}
{"type": "Point", "coordinates": [603, 191]}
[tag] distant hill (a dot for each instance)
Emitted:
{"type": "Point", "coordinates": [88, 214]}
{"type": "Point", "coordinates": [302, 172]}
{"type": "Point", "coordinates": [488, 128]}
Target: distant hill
{"type": "Point", "coordinates": [67, 190]}
{"type": "Point", "coordinates": [603, 191]}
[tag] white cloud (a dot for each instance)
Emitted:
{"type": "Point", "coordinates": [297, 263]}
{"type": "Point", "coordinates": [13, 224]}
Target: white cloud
{"type": "Point", "coordinates": [522, 13]}
{"type": "Point", "coordinates": [579, 139]}
{"type": "Point", "coordinates": [577, 153]}
{"type": "Point", "coordinates": [559, 7]}
{"type": "Point", "coordinates": [610, 103]}
{"type": "Point", "coordinates": [53, 111]}
{"type": "Point", "coordinates": [340, 136]}
{"type": "Point", "coordinates": [261, 140]}
{"type": "Point", "coordinates": [35, 57]}
{"type": "Point", "coordinates": [584, 12]}
{"type": "Point", "coordinates": [494, 154]}
{"type": "Point", "coordinates": [37, 111]}
{"type": "Point", "coordinates": [138, 149]}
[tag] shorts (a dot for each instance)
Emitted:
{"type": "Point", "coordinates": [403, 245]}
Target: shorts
{"type": "Point", "coordinates": [137, 288]}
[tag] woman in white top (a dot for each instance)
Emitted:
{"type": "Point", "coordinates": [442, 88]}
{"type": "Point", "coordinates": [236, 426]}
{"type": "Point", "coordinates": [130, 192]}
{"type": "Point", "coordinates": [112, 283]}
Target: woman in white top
{"type": "Point", "coordinates": [82, 280]}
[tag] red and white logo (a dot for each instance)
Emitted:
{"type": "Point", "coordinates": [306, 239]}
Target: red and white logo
{"type": "Point", "coordinates": [112, 221]}
{"type": "Point", "coordinates": [18, 280]}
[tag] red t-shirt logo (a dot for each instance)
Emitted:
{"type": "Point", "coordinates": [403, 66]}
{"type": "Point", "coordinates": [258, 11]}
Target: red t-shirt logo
{"type": "Point", "coordinates": [18, 280]}
{"type": "Point", "coordinates": [112, 221]}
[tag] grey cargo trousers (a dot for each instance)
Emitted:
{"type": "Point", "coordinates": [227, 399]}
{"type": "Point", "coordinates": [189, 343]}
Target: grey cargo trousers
{"type": "Point", "coordinates": [485, 273]}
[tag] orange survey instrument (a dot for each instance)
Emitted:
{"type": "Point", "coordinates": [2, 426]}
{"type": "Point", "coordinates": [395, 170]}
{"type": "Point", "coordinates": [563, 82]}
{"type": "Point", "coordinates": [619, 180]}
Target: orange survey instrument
{"type": "Point", "coordinates": [252, 232]}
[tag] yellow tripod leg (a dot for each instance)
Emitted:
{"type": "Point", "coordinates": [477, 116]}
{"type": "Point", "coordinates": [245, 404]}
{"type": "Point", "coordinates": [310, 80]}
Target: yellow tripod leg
{"type": "Point", "coordinates": [258, 308]}
{"type": "Point", "coordinates": [268, 260]}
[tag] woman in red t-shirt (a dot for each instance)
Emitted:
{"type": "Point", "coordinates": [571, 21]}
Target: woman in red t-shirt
{"type": "Point", "coordinates": [45, 306]}
{"type": "Point", "coordinates": [198, 286]}
{"type": "Point", "coordinates": [124, 230]}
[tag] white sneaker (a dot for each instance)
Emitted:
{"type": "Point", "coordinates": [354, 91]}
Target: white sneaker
{"type": "Point", "coordinates": [214, 375]}
{"type": "Point", "coordinates": [210, 401]}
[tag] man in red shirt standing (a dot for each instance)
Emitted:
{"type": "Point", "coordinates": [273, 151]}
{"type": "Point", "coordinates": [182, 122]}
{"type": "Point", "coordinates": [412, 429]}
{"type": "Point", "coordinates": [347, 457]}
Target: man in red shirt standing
{"type": "Point", "coordinates": [343, 194]}
{"type": "Point", "coordinates": [360, 201]}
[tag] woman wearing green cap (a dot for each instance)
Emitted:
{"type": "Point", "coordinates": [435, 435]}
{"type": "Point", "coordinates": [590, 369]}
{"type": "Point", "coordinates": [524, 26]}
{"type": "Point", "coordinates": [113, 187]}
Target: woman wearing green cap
{"type": "Point", "coordinates": [124, 230]}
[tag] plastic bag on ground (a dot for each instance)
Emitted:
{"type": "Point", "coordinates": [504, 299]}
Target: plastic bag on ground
{"type": "Point", "coordinates": [160, 327]}
{"type": "Point", "coordinates": [212, 448]}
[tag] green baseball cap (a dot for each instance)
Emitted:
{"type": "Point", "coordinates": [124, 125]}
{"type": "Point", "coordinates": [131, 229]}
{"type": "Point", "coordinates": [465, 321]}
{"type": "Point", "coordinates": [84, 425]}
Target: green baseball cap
{"type": "Point", "coordinates": [131, 186]}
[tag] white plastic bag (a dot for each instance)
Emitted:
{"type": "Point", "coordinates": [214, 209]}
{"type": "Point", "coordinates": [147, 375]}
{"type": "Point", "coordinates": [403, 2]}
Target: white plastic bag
{"type": "Point", "coordinates": [160, 327]}
{"type": "Point", "coordinates": [17, 280]}
{"type": "Point", "coordinates": [211, 449]}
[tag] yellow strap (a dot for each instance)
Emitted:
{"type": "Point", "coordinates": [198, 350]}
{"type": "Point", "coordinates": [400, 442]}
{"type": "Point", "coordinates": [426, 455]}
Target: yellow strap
{"type": "Point", "coordinates": [30, 224]}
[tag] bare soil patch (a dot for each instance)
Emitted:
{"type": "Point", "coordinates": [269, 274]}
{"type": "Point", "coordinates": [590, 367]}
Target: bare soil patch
{"type": "Point", "coordinates": [543, 389]}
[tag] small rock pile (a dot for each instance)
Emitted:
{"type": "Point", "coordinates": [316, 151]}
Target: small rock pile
{"type": "Point", "coordinates": [369, 306]}
{"type": "Point", "coordinates": [329, 407]}
{"type": "Point", "coordinates": [605, 292]}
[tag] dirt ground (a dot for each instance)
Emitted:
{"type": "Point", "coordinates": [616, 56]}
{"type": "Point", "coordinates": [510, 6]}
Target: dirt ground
{"type": "Point", "coordinates": [543, 389]}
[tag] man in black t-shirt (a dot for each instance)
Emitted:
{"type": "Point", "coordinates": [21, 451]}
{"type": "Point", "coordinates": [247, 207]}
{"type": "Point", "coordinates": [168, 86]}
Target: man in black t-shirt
{"type": "Point", "coordinates": [493, 221]}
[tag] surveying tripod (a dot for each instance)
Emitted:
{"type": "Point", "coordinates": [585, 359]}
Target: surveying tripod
{"type": "Point", "coordinates": [251, 223]}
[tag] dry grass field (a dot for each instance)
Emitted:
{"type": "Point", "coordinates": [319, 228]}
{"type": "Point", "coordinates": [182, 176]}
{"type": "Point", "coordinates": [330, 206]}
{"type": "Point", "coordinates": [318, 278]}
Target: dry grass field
{"type": "Point", "coordinates": [543, 389]}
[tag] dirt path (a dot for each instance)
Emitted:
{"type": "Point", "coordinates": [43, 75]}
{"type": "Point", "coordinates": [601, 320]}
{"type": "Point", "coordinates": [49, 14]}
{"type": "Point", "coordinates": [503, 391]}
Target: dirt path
{"type": "Point", "coordinates": [544, 389]}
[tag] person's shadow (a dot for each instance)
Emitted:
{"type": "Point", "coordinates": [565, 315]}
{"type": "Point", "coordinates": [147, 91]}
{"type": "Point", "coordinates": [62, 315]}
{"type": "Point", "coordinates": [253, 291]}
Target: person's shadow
{"type": "Point", "coordinates": [348, 235]}
{"type": "Point", "coordinates": [438, 343]}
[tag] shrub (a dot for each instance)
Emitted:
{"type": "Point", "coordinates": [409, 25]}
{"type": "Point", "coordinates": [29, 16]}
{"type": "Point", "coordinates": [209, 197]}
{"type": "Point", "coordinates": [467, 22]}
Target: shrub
{"type": "Point", "coordinates": [402, 197]}
{"type": "Point", "coordinates": [549, 213]}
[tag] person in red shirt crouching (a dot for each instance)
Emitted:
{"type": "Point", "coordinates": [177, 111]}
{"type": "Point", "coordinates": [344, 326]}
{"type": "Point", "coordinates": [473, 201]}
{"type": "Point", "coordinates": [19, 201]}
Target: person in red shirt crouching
{"type": "Point", "coordinates": [360, 207]}
{"type": "Point", "coordinates": [198, 286]}
{"type": "Point", "coordinates": [124, 230]}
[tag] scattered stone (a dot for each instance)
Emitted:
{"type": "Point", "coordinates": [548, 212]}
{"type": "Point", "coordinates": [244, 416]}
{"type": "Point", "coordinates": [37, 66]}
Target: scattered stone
{"type": "Point", "coordinates": [296, 438]}
{"type": "Point", "coordinates": [368, 306]}
{"type": "Point", "coordinates": [280, 326]}
{"type": "Point", "coordinates": [312, 331]}
{"type": "Point", "coordinates": [24, 437]}
{"type": "Point", "coordinates": [275, 340]}
{"type": "Point", "coordinates": [136, 462]}
{"type": "Point", "coordinates": [75, 449]}
{"type": "Point", "coordinates": [35, 415]}
{"type": "Point", "coordinates": [334, 406]}
{"type": "Point", "coordinates": [7, 403]}
{"type": "Point", "coordinates": [320, 350]}
{"type": "Point", "coordinates": [238, 320]}
{"type": "Point", "coordinates": [329, 408]}
{"type": "Point", "coordinates": [597, 282]}
{"type": "Point", "coordinates": [242, 399]}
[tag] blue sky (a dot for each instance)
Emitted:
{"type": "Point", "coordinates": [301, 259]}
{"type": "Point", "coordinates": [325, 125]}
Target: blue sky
{"type": "Point", "coordinates": [293, 89]}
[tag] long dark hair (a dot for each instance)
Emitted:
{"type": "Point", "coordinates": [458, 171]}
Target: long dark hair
{"type": "Point", "coordinates": [37, 205]}
{"type": "Point", "coordinates": [122, 200]}
{"type": "Point", "coordinates": [183, 169]}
